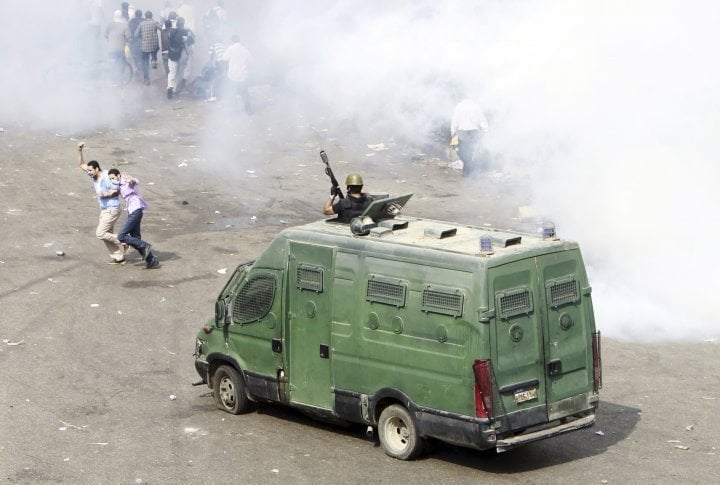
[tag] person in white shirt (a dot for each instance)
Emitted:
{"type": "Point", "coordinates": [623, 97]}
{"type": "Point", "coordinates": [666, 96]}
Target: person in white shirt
{"type": "Point", "coordinates": [468, 122]}
{"type": "Point", "coordinates": [238, 59]}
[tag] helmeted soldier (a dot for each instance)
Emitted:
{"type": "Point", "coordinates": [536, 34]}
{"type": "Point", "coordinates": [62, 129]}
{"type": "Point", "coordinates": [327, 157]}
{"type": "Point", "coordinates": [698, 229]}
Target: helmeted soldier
{"type": "Point", "coordinates": [351, 206]}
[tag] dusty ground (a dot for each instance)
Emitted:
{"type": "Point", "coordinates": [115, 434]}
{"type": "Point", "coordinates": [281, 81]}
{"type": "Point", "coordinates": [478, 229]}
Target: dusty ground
{"type": "Point", "coordinates": [96, 360]}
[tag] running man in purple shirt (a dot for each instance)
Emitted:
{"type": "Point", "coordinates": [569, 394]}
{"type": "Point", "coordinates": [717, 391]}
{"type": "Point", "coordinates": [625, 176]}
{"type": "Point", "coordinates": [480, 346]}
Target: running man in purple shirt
{"type": "Point", "coordinates": [135, 206]}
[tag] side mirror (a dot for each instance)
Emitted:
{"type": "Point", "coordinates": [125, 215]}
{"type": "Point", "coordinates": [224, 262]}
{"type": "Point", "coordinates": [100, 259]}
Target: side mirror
{"type": "Point", "coordinates": [228, 313]}
{"type": "Point", "coordinates": [220, 310]}
{"type": "Point", "coordinates": [223, 313]}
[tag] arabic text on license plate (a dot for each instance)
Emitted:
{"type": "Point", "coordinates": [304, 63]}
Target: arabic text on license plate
{"type": "Point", "coordinates": [522, 396]}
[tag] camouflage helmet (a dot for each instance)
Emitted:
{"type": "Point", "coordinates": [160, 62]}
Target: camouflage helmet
{"type": "Point", "coordinates": [354, 179]}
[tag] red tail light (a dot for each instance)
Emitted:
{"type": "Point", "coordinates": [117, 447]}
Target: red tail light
{"type": "Point", "coordinates": [483, 388]}
{"type": "Point", "coordinates": [597, 362]}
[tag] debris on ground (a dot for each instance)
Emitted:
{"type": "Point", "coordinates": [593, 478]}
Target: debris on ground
{"type": "Point", "coordinates": [456, 165]}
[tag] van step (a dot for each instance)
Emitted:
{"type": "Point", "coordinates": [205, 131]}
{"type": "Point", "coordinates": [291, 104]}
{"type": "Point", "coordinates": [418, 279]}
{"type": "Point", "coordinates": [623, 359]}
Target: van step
{"type": "Point", "coordinates": [513, 441]}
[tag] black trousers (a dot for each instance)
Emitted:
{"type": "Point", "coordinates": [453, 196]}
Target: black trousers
{"type": "Point", "coordinates": [146, 56]}
{"type": "Point", "coordinates": [467, 146]}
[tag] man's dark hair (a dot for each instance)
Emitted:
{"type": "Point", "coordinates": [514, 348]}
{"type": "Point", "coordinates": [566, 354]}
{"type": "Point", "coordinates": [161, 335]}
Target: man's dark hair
{"type": "Point", "coordinates": [93, 164]}
{"type": "Point", "coordinates": [138, 14]}
{"type": "Point", "coordinates": [114, 171]}
{"type": "Point", "coordinates": [148, 14]}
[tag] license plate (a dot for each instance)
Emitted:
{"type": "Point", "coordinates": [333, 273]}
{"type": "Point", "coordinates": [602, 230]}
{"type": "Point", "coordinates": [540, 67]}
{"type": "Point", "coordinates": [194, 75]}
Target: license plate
{"type": "Point", "coordinates": [522, 396]}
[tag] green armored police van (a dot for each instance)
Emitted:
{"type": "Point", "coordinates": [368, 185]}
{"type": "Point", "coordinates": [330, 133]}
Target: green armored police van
{"type": "Point", "coordinates": [420, 329]}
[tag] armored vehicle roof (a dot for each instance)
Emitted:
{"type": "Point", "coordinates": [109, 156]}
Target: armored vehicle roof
{"type": "Point", "coordinates": [434, 235]}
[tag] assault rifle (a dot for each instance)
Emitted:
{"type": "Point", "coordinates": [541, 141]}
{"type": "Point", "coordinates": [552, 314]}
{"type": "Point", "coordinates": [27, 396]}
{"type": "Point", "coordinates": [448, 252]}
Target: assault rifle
{"type": "Point", "coordinates": [336, 190]}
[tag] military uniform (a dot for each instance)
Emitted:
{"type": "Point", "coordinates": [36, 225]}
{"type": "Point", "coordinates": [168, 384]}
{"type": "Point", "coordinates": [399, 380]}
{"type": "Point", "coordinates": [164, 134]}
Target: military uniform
{"type": "Point", "coordinates": [351, 207]}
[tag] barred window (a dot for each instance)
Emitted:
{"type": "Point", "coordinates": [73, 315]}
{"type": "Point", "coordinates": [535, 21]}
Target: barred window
{"type": "Point", "coordinates": [310, 278]}
{"type": "Point", "coordinates": [442, 300]}
{"type": "Point", "coordinates": [563, 291]}
{"type": "Point", "coordinates": [255, 299]}
{"type": "Point", "coordinates": [386, 290]}
{"type": "Point", "coordinates": [514, 302]}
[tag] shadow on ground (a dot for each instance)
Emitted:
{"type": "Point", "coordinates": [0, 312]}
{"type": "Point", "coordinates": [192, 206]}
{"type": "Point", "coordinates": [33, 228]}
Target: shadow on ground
{"type": "Point", "coordinates": [614, 424]}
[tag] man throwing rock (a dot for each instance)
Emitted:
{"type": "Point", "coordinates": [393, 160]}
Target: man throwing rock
{"type": "Point", "coordinates": [109, 200]}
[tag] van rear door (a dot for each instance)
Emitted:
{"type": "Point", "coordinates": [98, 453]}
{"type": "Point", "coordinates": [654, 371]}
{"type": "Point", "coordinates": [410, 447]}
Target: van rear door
{"type": "Point", "coordinates": [570, 323]}
{"type": "Point", "coordinates": [541, 338]}
{"type": "Point", "coordinates": [517, 345]}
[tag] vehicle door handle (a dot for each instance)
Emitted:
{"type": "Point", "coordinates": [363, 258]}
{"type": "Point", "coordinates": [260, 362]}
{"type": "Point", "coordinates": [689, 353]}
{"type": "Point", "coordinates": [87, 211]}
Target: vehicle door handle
{"type": "Point", "coordinates": [554, 367]}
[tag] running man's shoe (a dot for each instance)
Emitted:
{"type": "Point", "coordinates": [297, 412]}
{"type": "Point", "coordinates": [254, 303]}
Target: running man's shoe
{"type": "Point", "coordinates": [145, 251]}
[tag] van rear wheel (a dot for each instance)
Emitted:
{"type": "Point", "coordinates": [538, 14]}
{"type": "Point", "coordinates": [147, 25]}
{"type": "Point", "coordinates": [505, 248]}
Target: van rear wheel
{"type": "Point", "coordinates": [229, 391]}
{"type": "Point", "coordinates": [398, 433]}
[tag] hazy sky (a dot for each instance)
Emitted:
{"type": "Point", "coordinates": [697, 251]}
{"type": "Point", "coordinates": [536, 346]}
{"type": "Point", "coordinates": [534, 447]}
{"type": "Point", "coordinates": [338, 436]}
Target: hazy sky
{"type": "Point", "coordinates": [612, 107]}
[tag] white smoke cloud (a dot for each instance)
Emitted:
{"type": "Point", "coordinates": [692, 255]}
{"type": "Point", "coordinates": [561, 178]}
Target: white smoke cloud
{"type": "Point", "coordinates": [611, 108]}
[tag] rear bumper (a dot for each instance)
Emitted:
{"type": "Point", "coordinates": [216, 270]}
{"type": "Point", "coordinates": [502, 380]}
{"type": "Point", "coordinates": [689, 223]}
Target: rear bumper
{"type": "Point", "coordinates": [505, 444]}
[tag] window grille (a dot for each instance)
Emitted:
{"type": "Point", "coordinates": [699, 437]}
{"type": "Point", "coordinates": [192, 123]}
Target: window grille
{"type": "Point", "coordinates": [445, 301]}
{"type": "Point", "coordinates": [383, 291]}
{"type": "Point", "coordinates": [563, 291]}
{"type": "Point", "coordinates": [255, 299]}
{"type": "Point", "coordinates": [310, 278]}
{"type": "Point", "coordinates": [515, 302]}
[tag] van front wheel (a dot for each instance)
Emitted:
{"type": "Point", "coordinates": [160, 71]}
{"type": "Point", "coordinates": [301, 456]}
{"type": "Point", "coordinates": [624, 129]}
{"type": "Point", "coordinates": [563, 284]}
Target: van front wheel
{"type": "Point", "coordinates": [398, 433]}
{"type": "Point", "coordinates": [229, 390]}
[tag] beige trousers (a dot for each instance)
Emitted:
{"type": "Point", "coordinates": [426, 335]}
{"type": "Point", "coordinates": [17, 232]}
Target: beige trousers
{"type": "Point", "coordinates": [104, 232]}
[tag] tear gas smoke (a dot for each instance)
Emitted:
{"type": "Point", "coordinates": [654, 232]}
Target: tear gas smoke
{"type": "Point", "coordinates": [610, 107]}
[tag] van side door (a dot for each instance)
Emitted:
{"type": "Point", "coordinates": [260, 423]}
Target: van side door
{"type": "Point", "coordinates": [256, 309]}
{"type": "Point", "coordinates": [307, 340]}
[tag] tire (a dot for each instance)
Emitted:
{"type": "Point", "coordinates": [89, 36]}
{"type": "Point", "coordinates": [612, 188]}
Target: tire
{"type": "Point", "coordinates": [398, 433]}
{"type": "Point", "coordinates": [229, 391]}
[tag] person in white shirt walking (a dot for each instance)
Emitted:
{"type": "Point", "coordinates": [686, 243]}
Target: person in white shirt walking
{"type": "Point", "coordinates": [468, 122]}
{"type": "Point", "coordinates": [238, 58]}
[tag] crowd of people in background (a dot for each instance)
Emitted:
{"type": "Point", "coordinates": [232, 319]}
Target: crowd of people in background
{"type": "Point", "coordinates": [136, 37]}
{"type": "Point", "coordinates": [142, 38]}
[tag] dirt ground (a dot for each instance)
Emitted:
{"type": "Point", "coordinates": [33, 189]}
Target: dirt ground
{"type": "Point", "coordinates": [96, 360]}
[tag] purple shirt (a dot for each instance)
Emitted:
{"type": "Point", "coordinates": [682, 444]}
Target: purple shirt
{"type": "Point", "coordinates": [131, 195]}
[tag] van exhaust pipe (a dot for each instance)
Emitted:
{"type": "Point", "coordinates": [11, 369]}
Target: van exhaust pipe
{"type": "Point", "coordinates": [369, 432]}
